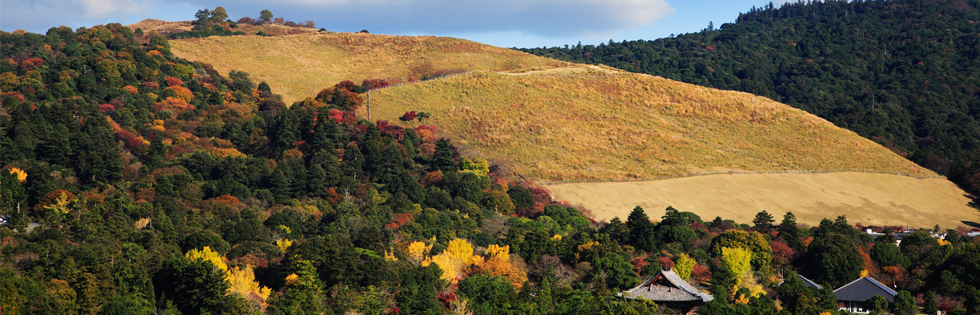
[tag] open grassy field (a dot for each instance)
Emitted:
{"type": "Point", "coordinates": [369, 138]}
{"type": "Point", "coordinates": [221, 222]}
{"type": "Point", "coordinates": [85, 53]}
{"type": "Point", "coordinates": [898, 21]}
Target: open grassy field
{"type": "Point", "coordinates": [299, 66]}
{"type": "Point", "coordinates": [622, 126]}
{"type": "Point", "coordinates": [871, 199]}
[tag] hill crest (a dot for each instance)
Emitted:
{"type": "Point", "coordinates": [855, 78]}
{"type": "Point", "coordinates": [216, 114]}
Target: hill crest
{"type": "Point", "coordinates": [301, 65]}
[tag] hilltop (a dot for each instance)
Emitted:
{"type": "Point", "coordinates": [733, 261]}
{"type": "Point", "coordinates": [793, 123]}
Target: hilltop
{"type": "Point", "coordinates": [298, 66]}
{"type": "Point", "coordinates": [168, 27]}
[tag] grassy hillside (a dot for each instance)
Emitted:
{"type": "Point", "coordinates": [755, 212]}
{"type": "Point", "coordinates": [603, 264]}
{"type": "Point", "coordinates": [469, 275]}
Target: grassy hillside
{"type": "Point", "coordinates": [866, 198]}
{"type": "Point", "coordinates": [299, 66]}
{"type": "Point", "coordinates": [556, 122]}
{"type": "Point", "coordinates": [557, 127]}
{"type": "Point", "coordinates": [905, 73]}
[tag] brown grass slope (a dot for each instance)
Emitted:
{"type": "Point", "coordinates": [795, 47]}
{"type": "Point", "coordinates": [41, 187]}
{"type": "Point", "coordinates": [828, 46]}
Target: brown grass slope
{"type": "Point", "coordinates": [621, 126]}
{"type": "Point", "coordinates": [299, 66]}
{"type": "Point", "coordinates": [554, 121]}
{"type": "Point", "coordinates": [592, 124]}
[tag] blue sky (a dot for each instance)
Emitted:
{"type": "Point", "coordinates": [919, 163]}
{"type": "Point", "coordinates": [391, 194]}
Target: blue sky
{"type": "Point", "coordinates": [505, 23]}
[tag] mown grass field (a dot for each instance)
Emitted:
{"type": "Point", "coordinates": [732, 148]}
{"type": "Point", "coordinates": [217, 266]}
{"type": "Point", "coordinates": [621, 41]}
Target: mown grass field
{"type": "Point", "coordinates": [299, 66]}
{"type": "Point", "coordinates": [622, 126]}
{"type": "Point", "coordinates": [871, 199]}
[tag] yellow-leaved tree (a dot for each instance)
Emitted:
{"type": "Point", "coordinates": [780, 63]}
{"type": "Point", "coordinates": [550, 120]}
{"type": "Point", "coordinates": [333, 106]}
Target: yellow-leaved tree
{"type": "Point", "coordinates": [498, 262]}
{"type": "Point", "coordinates": [243, 282]}
{"type": "Point", "coordinates": [418, 253]}
{"type": "Point", "coordinates": [684, 265]}
{"type": "Point", "coordinates": [283, 244]}
{"type": "Point", "coordinates": [739, 262]}
{"type": "Point", "coordinates": [208, 255]}
{"type": "Point", "coordinates": [454, 261]}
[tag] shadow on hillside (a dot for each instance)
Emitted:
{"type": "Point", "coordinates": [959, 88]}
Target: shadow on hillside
{"type": "Point", "coordinates": [974, 202]}
{"type": "Point", "coordinates": [971, 224]}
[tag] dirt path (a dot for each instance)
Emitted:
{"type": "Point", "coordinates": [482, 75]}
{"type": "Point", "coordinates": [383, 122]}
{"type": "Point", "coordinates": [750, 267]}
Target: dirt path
{"type": "Point", "coordinates": [868, 198]}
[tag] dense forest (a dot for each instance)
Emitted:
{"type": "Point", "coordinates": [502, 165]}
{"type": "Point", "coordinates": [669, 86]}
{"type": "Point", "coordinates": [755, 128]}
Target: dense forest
{"type": "Point", "coordinates": [132, 182]}
{"type": "Point", "coordinates": [905, 73]}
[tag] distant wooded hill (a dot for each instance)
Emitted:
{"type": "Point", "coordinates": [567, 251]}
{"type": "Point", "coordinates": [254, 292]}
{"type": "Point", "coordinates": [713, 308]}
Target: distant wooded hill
{"type": "Point", "coordinates": [904, 73]}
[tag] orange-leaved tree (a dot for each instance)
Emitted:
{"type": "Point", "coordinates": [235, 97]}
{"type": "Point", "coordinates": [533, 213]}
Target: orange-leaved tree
{"type": "Point", "coordinates": [499, 263]}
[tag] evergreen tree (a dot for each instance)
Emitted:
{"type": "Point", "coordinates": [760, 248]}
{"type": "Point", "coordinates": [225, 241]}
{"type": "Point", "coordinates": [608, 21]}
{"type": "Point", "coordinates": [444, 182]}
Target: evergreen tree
{"type": "Point", "coordinates": [763, 222]}
{"type": "Point", "coordinates": [904, 304]}
{"type": "Point", "coordinates": [641, 230]}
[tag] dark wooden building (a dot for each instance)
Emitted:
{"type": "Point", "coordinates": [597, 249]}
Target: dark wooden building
{"type": "Point", "coordinates": [668, 289]}
{"type": "Point", "coordinates": [853, 296]}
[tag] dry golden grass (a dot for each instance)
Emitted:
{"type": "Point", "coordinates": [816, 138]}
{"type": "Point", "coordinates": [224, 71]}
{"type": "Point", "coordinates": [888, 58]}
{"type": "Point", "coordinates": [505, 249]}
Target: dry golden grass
{"type": "Point", "coordinates": [299, 66]}
{"type": "Point", "coordinates": [627, 126]}
{"type": "Point", "coordinates": [554, 121]}
{"type": "Point", "coordinates": [179, 26]}
{"type": "Point", "coordinates": [161, 26]}
{"type": "Point", "coordinates": [871, 199]}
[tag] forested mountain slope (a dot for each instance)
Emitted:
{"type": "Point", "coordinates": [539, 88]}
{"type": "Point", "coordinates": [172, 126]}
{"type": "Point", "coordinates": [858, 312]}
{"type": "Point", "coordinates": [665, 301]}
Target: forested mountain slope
{"type": "Point", "coordinates": [905, 73]}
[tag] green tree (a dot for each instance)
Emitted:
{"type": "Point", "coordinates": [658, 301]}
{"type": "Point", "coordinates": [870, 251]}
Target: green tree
{"type": "Point", "coordinates": [218, 15]}
{"type": "Point", "coordinates": [202, 16]}
{"type": "Point", "coordinates": [904, 304]}
{"type": "Point", "coordinates": [931, 305]}
{"type": "Point", "coordinates": [131, 303]}
{"type": "Point", "coordinates": [498, 200]}
{"type": "Point", "coordinates": [886, 253]}
{"type": "Point", "coordinates": [877, 304]}
{"type": "Point", "coordinates": [790, 233]}
{"type": "Point", "coordinates": [302, 294]}
{"type": "Point", "coordinates": [833, 259]}
{"type": "Point", "coordinates": [266, 15]}
{"type": "Point", "coordinates": [795, 296]}
{"type": "Point", "coordinates": [521, 197]}
{"type": "Point", "coordinates": [641, 230]}
{"type": "Point", "coordinates": [192, 286]}
{"type": "Point", "coordinates": [763, 222]}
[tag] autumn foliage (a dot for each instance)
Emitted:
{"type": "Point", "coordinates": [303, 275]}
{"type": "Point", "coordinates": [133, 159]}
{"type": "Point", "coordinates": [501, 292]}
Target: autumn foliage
{"type": "Point", "coordinates": [455, 260]}
{"type": "Point", "coordinates": [499, 263]}
{"type": "Point", "coordinates": [175, 105]}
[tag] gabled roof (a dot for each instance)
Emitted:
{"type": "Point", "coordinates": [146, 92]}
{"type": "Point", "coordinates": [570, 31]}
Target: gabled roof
{"type": "Point", "coordinates": [666, 286]}
{"type": "Point", "coordinates": [863, 289]}
{"type": "Point", "coordinates": [810, 283]}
